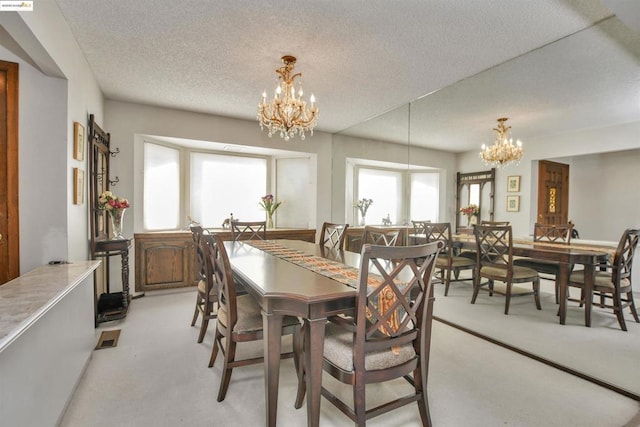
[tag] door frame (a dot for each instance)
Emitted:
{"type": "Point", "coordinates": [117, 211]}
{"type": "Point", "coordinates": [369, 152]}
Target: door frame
{"type": "Point", "coordinates": [12, 237]}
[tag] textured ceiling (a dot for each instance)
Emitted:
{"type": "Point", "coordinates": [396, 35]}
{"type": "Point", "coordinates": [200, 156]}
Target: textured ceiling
{"type": "Point", "coordinates": [362, 59]}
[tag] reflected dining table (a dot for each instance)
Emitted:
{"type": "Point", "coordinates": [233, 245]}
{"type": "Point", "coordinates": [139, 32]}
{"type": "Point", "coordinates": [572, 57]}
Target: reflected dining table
{"type": "Point", "coordinates": [284, 288]}
{"type": "Point", "coordinates": [590, 256]}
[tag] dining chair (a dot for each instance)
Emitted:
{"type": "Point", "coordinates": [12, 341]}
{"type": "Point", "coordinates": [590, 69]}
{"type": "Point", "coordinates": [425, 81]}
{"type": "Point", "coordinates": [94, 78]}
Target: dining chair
{"type": "Point", "coordinates": [615, 282]}
{"type": "Point", "coordinates": [239, 316]}
{"type": "Point", "coordinates": [447, 262]}
{"type": "Point", "coordinates": [550, 233]}
{"type": "Point", "coordinates": [206, 295]}
{"type": "Point", "coordinates": [374, 346]}
{"type": "Point", "coordinates": [384, 236]}
{"type": "Point", "coordinates": [333, 235]}
{"type": "Point", "coordinates": [472, 254]}
{"type": "Point", "coordinates": [418, 226]}
{"type": "Point", "coordinates": [494, 246]}
{"type": "Point", "coordinates": [248, 230]}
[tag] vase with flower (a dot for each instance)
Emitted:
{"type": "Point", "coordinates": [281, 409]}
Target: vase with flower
{"type": "Point", "coordinates": [363, 207]}
{"type": "Point", "coordinates": [115, 207]}
{"type": "Point", "coordinates": [471, 212]}
{"type": "Point", "coordinates": [270, 206]}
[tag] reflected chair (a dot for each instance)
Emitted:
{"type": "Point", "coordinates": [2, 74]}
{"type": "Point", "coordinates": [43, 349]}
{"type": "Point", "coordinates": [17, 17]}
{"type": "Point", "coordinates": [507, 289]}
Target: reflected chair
{"type": "Point", "coordinates": [333, 235]}
{"type": "Point", "coordinates": [494, 246]}
{"type": "Point", "coordinates": [206, 295]}
{"type": "Point", "coordinates": [615, 282]}
{"type": "Point", "coordinates": [248, 230]}
{"type": "Point", "coordinates": [551, 233]}
{"type": "Point", "coordinates": [239, 316]}
{"type": "Point", "coordinates": [376, 345]}
{"type": "Point", "coordinates": [447, 262]}
{"type": "Point", "coordinates": [471, 253]}
{"type": "Point", "coordinates": [382, 236]}
{"type": "Point", "coordinates": [418, 235]}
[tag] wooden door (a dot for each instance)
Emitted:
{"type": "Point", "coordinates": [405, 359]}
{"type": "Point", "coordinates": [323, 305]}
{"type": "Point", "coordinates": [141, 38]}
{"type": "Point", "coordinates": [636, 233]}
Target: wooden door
{"type": "Point", "coordinates": [9, 224]}
{"type": "Point", "coordinates": [553, 192]}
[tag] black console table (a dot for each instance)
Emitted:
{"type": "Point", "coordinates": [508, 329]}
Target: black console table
{"type": "Point", "coordinates": [113, 306]}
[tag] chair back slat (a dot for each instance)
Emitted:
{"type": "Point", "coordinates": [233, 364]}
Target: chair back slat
{"type": "Point", "coordinates": [494, 245]}
{"type": "Point", "coordinates": [393, 285]}
{"type": "Point", "coordinates": [382, 236]}
{"type": "Point", "coordinates": [196, 235]}
{"type": "Point", "coordinates": [419, 226]}
{"type": "Point", "coordinates": [435, 231]}
{"type": "Point", "coordinates": [248, 230]}
{"type": "Point", "coordinates": [556, 233]}
{"type": "Point", "coordinates": [219, 268]}
{"type": "Point", "coordinates": [333, 235]}
{"type": "Point", "coordinates": [623, 258]}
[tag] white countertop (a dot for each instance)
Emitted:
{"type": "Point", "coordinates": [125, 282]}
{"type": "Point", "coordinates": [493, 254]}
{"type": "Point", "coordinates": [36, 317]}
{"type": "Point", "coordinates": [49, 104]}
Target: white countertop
{"type": "Point", "coordinates": [26, 298]}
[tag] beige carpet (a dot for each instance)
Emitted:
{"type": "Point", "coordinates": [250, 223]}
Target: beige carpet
{"type": "Point", "coordinates": [602, 351]}
{"type": "Point", "coordinates": [158, 376]}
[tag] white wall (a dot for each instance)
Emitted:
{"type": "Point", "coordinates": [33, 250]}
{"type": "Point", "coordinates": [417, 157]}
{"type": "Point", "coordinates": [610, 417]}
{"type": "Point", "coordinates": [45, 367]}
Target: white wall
{"type": "Point", "coordinates": [582, 198]}
{"type": "Point", "coordinates": [56, 88]}
{"type": "Point", "coordinates": [126, 121]}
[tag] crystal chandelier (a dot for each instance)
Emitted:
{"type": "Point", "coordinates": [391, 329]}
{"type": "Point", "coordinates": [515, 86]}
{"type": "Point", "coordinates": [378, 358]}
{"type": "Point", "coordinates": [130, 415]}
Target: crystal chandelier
{"type": "Point", "coordinates": [503, 152]}
{"type": "Point", "coordinates": [287, 113]}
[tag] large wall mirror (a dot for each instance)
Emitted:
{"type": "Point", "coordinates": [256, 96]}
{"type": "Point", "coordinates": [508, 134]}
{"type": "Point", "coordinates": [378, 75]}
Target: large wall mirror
{"type": "Point", "coordinates": [466, 111]}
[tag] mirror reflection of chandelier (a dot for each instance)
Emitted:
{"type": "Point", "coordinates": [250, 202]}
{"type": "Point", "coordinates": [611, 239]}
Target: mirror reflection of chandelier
{"type": "Point", "coordinates": [503, 152]}
{"type": "Point", "coordinates": [287, 113]}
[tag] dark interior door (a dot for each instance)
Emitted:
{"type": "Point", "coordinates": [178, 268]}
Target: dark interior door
{"type": "Point", "coordinates": [9, 224]}
{"type": "Point", "coordinates": [553, 192]}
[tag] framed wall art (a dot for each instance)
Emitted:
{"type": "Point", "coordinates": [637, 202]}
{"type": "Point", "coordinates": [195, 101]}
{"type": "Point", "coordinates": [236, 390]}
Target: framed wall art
{"type": "Point", "coordinates": [513, 183]}
{"type": "Point", "coordinates": [78, 141]}
{"type": "Point", "coordinates": [78, 186]}
{"type": "Point", "coordinates": [513, 203]}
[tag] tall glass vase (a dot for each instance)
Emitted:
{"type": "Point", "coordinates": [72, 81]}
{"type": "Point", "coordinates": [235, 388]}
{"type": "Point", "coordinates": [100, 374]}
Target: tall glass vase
{"type": "Point", "coordinates": [117, 216]}
{"type": "Point", "coordinates": [269, 220]}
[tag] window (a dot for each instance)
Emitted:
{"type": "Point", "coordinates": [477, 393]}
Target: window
{"type": "Point", "coordinates": [161, 187]}
{"type": "Point", "coordinates": [221, 185]}
{"type": "Point", "coordinates": [398, 195]}
{"type": "Point", "coordinates": [384, 187]}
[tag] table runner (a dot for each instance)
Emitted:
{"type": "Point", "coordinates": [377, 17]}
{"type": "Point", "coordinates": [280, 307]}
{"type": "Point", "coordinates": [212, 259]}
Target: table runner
{"type": "Point", "coordinates": [335, 270]}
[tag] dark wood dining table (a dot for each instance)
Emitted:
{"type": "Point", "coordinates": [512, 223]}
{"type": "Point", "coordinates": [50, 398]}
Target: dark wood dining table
{"type": "Point", "coordinates": [284, 288]}
{"type": "Point", "coordinates": [566, 255]}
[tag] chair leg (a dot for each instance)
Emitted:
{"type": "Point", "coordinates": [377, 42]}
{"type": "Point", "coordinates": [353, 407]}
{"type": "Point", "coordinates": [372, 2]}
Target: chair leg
{"type": "Point", "coordinates": [617, 307]}
{"type": "Point", "coordinates": [359, 401]}
{"type": "Point", "coordinates": [447, 281]}
{"type": "Point", "coordinates": [203, 328]}
{"type": "Point", "coordinates": [420, 383]}
{"type": "Point", "coordinates": [199, 300]}
{"type": "Point", "coordinates": [229, 357]}
{"type": "Point", "coordinates": [508, 298]}
{"type": "Point", "coordinates": [632, 306]}
{"type": "Point", "coordinates": [536, 293]}
{"type": "Point", "coordinates": [217, 342]}
{"type": "Point", "coordinates": [476, 288]}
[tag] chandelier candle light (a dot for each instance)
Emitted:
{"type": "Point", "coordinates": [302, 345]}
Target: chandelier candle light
{"type": "Point", "coordinates": [287, 112]}
{"type": "Point", "coordinates": [115, 207]}
{"type": "Point", "coordinates": [503, 152]}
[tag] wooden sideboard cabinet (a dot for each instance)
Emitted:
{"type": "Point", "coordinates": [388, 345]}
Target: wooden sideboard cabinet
{"type": "Point", "coordinates": [167, 260]}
